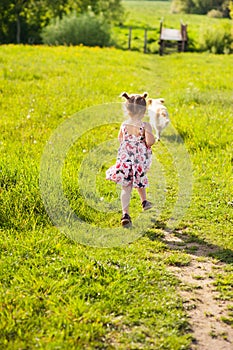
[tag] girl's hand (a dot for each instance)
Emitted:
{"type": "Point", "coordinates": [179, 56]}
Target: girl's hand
{"type": "Point", "coordinates": [149, 136]}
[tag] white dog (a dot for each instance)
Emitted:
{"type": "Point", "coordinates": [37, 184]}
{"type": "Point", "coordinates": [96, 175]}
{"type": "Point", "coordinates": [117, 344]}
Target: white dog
{"type": "Point", "coordinates": [158, 114]}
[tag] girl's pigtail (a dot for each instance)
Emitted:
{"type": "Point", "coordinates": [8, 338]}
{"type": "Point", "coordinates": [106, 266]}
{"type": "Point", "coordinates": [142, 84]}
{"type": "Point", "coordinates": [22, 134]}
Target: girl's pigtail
{"type": "Point", "coordinates": [124, 94]}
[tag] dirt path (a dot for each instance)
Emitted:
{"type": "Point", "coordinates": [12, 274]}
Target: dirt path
{"type": "Point", "coordinates": [201, 300]}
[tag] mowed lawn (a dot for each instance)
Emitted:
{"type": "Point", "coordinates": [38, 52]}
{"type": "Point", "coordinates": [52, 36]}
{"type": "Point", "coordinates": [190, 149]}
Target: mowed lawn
{"type": "Point", "coordinates": [59, 294]}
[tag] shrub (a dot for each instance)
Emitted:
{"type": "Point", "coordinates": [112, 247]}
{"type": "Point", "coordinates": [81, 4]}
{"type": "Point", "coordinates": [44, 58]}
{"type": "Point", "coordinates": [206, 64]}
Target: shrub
{"type": "Point", "coordinates": [86, 29]}
{"type": "Point", "coordinates": [200, 6]}
{"type": "Point", "coordinates": [215, 14]}
{"type": "Point", "coordinates": [218, 39]}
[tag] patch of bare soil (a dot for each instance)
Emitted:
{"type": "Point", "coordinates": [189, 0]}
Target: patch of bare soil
{"type": "Point", "coordinates": [200, 298]}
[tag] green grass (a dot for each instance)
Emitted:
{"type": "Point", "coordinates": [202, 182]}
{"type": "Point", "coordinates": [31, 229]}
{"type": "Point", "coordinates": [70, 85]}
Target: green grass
{"type": "Point", "coordinates": [141, 15]}
{"type": "Point", "coordinates": [58, 294]}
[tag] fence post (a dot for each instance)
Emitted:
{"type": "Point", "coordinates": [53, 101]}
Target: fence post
{"type": "Point", "coordinates": [129, 39]}
{"type": "Point", "coordinates": [145, 41]}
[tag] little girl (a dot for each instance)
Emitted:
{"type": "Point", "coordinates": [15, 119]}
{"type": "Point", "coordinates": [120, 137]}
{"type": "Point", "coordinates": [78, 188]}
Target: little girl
{"type": "Point", "coordinates": [134, 155]}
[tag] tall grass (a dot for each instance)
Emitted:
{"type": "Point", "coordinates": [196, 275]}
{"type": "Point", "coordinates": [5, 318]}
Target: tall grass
{"type": "Point", "coordinates": [56, 293]}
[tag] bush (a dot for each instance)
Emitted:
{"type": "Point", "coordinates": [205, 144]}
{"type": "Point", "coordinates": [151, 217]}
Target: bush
{"type": "Point", "coordinates": [86, 29]}
{"type": "Point", "coordinates": [215, 14]}
{"type": "Point", "coordinates": [201, 7]}
{"type": "Point", "coordinates": [218, 39]}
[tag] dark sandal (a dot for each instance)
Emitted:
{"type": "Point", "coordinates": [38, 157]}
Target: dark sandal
{"type": "Point", "coordinates": [146, 205]}
{"type": "Point", "coordinates": [126, 220]}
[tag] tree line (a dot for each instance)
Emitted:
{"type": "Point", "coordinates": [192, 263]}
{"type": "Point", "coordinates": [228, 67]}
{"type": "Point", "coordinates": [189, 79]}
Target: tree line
{"type": "Point", "coordinates": [22, 21]}
{"type": "Point", "coordinates": [203, 7]}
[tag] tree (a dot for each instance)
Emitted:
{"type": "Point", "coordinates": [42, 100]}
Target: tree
{"type": "Point", "coordinates": [231, 15]}
{"type": "Point", "coordinates": [201, 6]}
{"type": "Point", "coordinates": [111, 10]}
{"type": "Point", "coordinates": [231, 9]}
{"type": "Point", "coordinates": [186, 6]}
{"type": "Point", "coordinates": [23, 20]}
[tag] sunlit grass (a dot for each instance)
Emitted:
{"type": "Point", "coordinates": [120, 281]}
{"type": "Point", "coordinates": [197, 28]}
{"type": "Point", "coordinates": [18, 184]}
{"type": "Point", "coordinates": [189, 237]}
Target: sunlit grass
{"type": "Point", "coordinates": [141, 15]}
{"type": "Point", "coordinates": [56, 293]}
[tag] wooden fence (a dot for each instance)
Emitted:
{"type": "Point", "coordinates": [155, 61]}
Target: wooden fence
{"type": "Point", "coordinates": [166, 35]}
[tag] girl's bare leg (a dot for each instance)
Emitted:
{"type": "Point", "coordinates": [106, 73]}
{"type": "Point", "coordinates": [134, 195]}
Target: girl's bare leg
{"type": "Point", "coordinates": [125, 198]}
{"type": "Point", "coordinates": [142, 193]}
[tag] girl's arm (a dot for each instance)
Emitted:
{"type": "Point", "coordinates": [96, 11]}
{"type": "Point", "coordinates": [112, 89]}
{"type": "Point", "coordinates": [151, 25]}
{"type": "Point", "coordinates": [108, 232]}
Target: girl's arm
{"type": "Point", "coordinates": [149, 137]}
{"type": "Point", "coordinates": [120, 135]}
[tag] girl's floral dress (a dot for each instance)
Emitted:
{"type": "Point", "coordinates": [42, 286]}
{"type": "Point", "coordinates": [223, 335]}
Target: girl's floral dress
{"type": "Point", "coordinates": [133, 160]}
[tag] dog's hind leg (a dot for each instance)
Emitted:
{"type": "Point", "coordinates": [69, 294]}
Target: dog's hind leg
{"type": "Point", "coordinates": [158, 134]}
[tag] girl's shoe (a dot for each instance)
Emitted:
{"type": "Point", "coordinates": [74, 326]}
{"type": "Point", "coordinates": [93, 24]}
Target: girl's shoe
{"type": "Point", "coordinates": [126, 220]}
{"type": "Point", "coordinates": [146, 205]}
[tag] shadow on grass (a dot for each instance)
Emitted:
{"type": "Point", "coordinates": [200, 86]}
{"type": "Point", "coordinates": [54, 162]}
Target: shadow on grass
{"type": "Point", "coordinates": [189, 243]}
{"type": "Point", "coordinates": [176, 138]}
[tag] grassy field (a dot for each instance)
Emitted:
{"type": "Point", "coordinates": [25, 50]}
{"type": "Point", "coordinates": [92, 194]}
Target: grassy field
{"type": "Point", "coordinates": [58, 294]}
{"type": "Point", "coordinates": [156, 11]}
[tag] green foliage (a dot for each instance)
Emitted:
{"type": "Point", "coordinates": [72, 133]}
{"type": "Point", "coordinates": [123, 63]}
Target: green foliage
{"type": "Point", "coordinates": [215, 14]}
{"type": "Point", "coordinates": [178, 6]}
{"type": "Point", "coordinates": [86, 29]}
{"type": "Point", "coordinates": [112, 11]}
{"type": "Point", "coordinates": [217, 39]}
{"type": "Point", "coordinates": [21, 21]}
{"type": "Point", "coordinates": [138, 21]}
{"type": "Point", "coordinates": [231, 9]}
{"type": "Point", "coordinates": [200, 6]}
